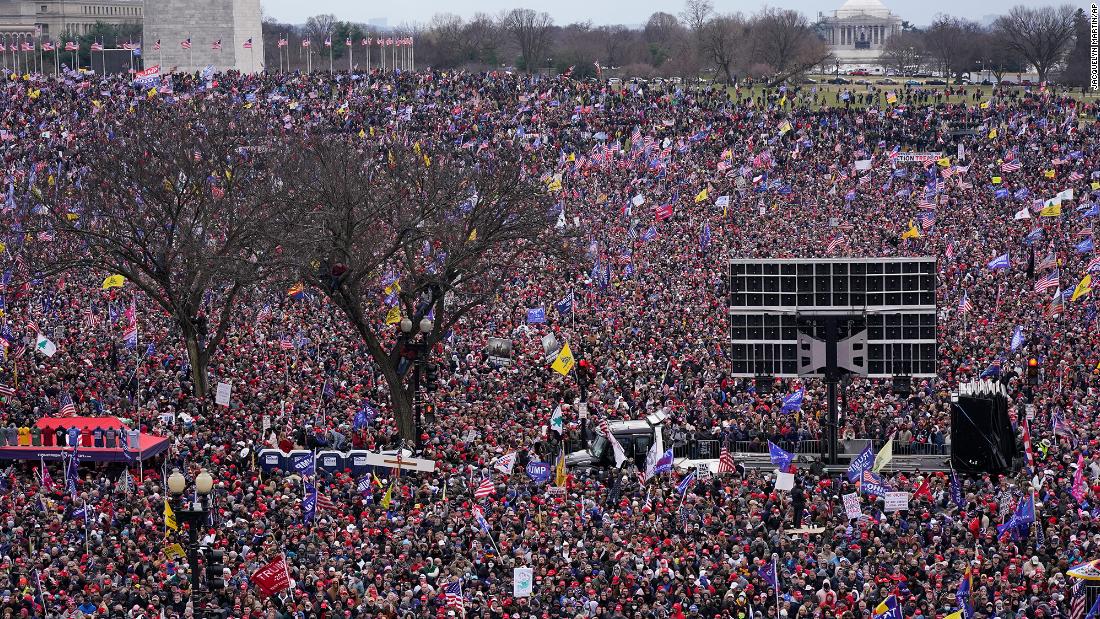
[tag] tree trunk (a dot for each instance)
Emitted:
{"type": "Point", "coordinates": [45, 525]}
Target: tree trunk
{"type": "Point", "coordinates": [199, 362]}
{"type": "Point", "coordinates": [401, 402]}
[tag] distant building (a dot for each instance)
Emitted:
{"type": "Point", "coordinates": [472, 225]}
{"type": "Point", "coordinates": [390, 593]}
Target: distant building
{"type": "Point", "coordinates": [53, 18]}
{"type": "Point", "coordinates": [858, 30]}
{"type": "Point", "coordinates": [206, 24]}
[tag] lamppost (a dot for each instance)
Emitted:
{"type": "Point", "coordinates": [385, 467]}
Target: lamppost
{"type": "Point", "coordinates": [417, 350]}
{"type": "Point", "coordinates": [195, 516]}
{"type": "Point", "coordinates": [549, 66]}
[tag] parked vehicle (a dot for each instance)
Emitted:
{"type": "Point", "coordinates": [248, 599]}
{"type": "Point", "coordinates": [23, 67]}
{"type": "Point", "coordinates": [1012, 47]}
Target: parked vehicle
{"type": "Point", "coordinates": [839, 80]}
{"type": "Point", "coordinates": [636, 437]}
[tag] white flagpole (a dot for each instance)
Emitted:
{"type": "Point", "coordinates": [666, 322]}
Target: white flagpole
{"type": "Point", "coordinates": [775, 571]}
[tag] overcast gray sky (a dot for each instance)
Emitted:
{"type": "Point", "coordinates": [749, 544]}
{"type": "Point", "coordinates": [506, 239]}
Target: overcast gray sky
{"type": "Point", "coordinates": [615, 12]}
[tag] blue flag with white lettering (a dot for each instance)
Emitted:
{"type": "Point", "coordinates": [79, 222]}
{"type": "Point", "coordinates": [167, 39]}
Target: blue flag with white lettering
{"type": "Point", "coordinates": [779, 457]}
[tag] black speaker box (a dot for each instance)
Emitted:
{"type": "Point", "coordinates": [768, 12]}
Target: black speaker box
{"type": "Point", "coordinates": [982, 439]}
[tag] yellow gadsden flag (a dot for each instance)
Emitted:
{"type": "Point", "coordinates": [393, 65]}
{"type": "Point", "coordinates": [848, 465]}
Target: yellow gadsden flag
{"type": "Point", "coordinates": [113, 281]}
{"type": "Point", "coordinates": [1052, 210]}
{"type": "Point", "coordinates": [912, 233]}
{"type": "Point", "coordinates": [169, 518]}
{"type": "Point", "coordinates": [701, 196]}
{"type": "Point", "coordinates": [1083, 288]}
{"type": "Point", "coordinates": [564, 363]}
{"type": "Point", "coordinates": [393, 316]}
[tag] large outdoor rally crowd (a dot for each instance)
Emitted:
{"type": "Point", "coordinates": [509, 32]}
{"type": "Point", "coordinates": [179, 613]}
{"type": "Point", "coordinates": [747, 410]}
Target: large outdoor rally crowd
{"type": "Point", "coordinates": [722, 173]}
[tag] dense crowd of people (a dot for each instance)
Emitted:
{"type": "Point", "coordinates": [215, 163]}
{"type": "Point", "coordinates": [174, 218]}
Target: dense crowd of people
{"type": "Point", "coordinates": [652, 324]}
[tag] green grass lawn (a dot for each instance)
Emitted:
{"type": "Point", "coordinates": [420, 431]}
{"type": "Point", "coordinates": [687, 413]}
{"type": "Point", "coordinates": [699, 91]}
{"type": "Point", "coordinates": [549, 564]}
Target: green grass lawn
{"type": "Point", "coordinates": [830, 90]}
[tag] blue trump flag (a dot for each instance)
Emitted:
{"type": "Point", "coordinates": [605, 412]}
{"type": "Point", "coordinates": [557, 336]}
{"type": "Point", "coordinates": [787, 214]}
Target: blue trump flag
{"type": "Point", "coordinates": [1017, 337]}
{"type": "Point", "coordinates": [779, 458]}
{"type": "Point", "coordinates": [1084, 246]}
{"type": "Point", "coordinates": [309, 503]}
{"type": "Point", "coordinates": [962, 596]}
{"type": "Point", "coordinates": [1023, 516]}
{"type": "Point", "coordinates": [704, 237]}
{"type": "Point", "coordinates": [793, 402]}
{"type": "Point", "coordinates": [536, 315]}
{"type": "Point", "coordinates": [565, 305]}
{"type": "Point", "coordinates": [871, 483]}
{"type": "Point", "coordinates": [861, 463]}
{"type": "Point", "coordinates": [539, 472]}
{"type": "Point", "coordinates": [956, 491]}
{"type": "Point", "coordinates": [1000, 262]}
{"type": "Point", "coordinates": [364, 416]}
{"type": "Point", "coordinates": [686, 482]}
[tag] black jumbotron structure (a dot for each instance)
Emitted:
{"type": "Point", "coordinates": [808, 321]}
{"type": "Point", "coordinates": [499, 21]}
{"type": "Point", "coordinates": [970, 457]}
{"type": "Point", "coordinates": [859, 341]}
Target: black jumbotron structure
{"type": "Point", "coordinates": [827, 317]}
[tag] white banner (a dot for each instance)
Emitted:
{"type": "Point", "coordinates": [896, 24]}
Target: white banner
{"type": "Point", "coordinates": [896, 501]}
{"type": "Point", "coordinates": [851, 506]}
{"type": "Point", "coordinates": [523, 582]}
{"type": "Point", "coordinates": [784, 481]}
{"type": "Point", "coordinates": [916, 157]}
{"type": "Point", "coordinates": [225, 390]}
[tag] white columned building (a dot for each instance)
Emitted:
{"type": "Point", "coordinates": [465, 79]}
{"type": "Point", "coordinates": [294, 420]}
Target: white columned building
{"type": "Point", "coordinates": [858, 30]}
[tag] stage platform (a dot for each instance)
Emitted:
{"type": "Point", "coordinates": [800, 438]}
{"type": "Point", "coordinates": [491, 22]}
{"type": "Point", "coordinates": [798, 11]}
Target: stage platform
{"type": "Point", "coordinates": [149, 445]}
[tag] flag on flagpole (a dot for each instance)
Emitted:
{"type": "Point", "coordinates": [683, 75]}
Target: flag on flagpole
{"type": "Point", "coordinates": [885, 455]}
{"type": "Point", "coordinates": [169, 517]}
{"type": "Point", "coordinates": [484, 489]}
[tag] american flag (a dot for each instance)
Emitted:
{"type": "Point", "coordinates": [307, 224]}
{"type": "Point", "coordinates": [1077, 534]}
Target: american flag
{"type": "Point", "coordinates": [1011, 166]}
{"type": "Point", "coordinates": [1083, 232]}
{"type": "Point", "coordinates": [328, 41]}
{"type": "Point", "coordinates": [1075, 176]}
{"type": "Point", "coordinates": [453, 594]}
{"type": "Point", "coordinates": [216, 45]}
{"type": "Point", "coordinates": [156, 46]}
{"type": "Point", "coordinates": [836, 243]}
{"type": "Point", "coordinates": [347, 41]}
{"type": "Point", "coordinates": [28, 47]}
{"type": "Point", "coordinates": [1048, 281]}
{"type": "Point", "coordinates": [965, 305]}
{"type": "Point", "coordinates": [6, 391]}
{"type": "Point", "coordinates": [248, 44]}
{"type": "Point", "coordinates": [1049, 262]}
{"type": "Point", "coordinates": [725, 460]}
{"type": "Point", "coordinates": [1077, 600]}
{"type": "Point", "coordinates": [285, 343]}
{"type": "Point", "coordinates": [1093, 264]}
{"type": "Point", "coordinates": [484, 489]}
{"type": "Point", "coordinates": [71, 46]}
{"type": "Point", "coordinates": [305, 42]}
{"type": "Point", "coordinates": [68, 409]}
{"type": "Point", "coordinates": [1056, 305]}
{"type": "Point", "coordinates": [47, 46]}
{"type": "Point", "coordinates": [926, 205]}
{"type": "Point", "coordinates": [184, 44]}
{"type": "Point", "coordinates": [282, 43]}
{"type": "Point", "coordinates": [365, 42]}
{"type": "Point", "coordinates": [324, 502]}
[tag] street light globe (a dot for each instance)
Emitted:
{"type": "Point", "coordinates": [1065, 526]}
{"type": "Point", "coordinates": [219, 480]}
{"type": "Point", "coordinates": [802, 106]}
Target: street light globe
{"type": "Point", "coordinates": [406, 325]}
{"type": "Point", "coordinates": [426, 325]}
{"type": "Point", "coordinates": [204, 482]}
{"type": "Point", "coordinates": [176, 483]}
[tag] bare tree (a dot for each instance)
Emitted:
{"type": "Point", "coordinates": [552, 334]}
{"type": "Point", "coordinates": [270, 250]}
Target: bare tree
{"type": "Point", "coordinates": [438, 232]}
{"type": "Point", "coordinates": [696, 14]}
{"type": "Point", "coordinates": [786, 41]}
{"type": "Point", "coordinates": [320, 26]}
{"type": "Point", "coordinates": [531, 32]}
{"type": "Point", "coordinates": [615, 40]}
{"type": "Point", "coordinates": [721, 40]}
{"type": "Point", "coordinates": [1041, 35]}
{"type": "Point", "coordinates": [951, 42]}
{"type": "Point", "coordinates": [662, 34]}
{"type": "Point", "coordinates": [181, 209]}
{"type": "Point", "coordinates": [903, 52]}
